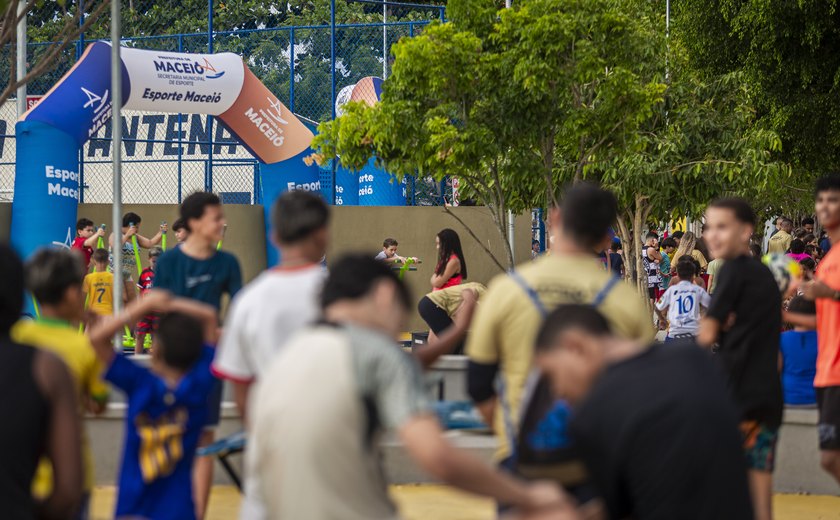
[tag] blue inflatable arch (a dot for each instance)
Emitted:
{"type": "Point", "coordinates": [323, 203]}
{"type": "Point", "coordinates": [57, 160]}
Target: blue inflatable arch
{"type": "Point", "coordinates": [50, 135]}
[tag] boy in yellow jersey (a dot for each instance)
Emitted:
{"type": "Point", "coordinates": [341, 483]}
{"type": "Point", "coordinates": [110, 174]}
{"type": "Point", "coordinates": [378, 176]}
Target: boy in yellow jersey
{"type": "Point", "coordinates": [98, 286]}
{"type": "Point", "coordinates": [54, 277]}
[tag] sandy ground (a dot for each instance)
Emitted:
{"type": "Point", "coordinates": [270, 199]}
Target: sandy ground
{"type": "Point", "coordinates": [423, 502]}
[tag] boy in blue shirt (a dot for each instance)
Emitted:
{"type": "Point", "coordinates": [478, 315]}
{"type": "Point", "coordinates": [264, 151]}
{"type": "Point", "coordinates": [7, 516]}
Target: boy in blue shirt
{"type": "Point", "coordinates": [167, 404]}
{"type": "Point", "coordinates": [798, 352]}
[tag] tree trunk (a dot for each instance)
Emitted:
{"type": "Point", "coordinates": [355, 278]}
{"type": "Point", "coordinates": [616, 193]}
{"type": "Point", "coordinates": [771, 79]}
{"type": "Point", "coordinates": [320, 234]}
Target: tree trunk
{"type": "Point", "coordinates": [631, 226]}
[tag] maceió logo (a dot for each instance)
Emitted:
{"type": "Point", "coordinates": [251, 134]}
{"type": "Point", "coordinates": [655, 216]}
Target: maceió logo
{"type": "Point", "coordinates": [178, 67]}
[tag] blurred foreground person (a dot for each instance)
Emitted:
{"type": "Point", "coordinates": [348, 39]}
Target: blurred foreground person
{"type": "Point", "coordinates": [41, 414]}
{"type": "Point", "coordinates": [654, 424]}
{"type": "Point", "coordinates": [318, 457]}
{"type": "Point", "coordinates": [745, 320]}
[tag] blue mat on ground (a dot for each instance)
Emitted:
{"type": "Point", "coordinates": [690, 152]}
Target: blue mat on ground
{"type": "Point", "coordinates": [458, 415]}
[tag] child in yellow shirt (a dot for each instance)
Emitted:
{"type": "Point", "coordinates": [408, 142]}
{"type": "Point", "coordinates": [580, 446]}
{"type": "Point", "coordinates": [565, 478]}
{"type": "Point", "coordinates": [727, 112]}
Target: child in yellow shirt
{"type": "Point", "coordinates": [99, 285]}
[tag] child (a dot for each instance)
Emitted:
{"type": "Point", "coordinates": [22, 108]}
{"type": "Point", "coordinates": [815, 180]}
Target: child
{"type": "Point", "coordinates": [797, 250]}
{"type": "Point", "coordinates": [798, 357]}
{"type": "Point", "coordinates": [612, 259]}
{"type": "Point", "coordinates": [389, 253]}
{"type": "Point", "coordinates": [54, 277]}
{"type": "Point", "coordinates": [99, 285]}
{"type": "Point", "coordinates": [669, 245]}
{"type": "Point", "coordinates": [650, 262]}
{"type": "Point", "coordinates": [147, 324]}
{"type": "Point", "coordinates": [167, 404]}
{"type": "Point", "coordinates": [130, 233]}
{"type": "Point", "coordinates": [86, 238]}
{"type": "Point", "coordinates": [180, 229]}
{"type": "Point", "coordinates": [682, 302]}
{"type": "Point", "coordinates": [809, 267]}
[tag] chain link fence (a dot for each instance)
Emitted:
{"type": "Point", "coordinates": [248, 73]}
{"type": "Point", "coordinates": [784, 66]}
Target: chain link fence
{"type": "Point", "coordinates": [287, 46]}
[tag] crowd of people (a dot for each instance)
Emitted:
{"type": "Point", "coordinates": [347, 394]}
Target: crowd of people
{"type": "Point", "coordinates": [594, 417]}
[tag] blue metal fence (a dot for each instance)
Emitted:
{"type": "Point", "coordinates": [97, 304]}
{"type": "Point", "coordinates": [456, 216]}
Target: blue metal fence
{"type": "Point", "coordinates": [167, 156]}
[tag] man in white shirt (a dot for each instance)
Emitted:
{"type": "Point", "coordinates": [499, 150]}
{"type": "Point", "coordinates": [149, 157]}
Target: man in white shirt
{"type": "Point", "coordinates": [272, 308]}
{"type": "Point", "coordinates": [682, 302]}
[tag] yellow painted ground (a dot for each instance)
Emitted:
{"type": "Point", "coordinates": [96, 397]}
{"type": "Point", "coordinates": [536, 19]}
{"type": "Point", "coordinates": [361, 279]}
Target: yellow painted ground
{"type": "Point", "coordinates": [424, 502]}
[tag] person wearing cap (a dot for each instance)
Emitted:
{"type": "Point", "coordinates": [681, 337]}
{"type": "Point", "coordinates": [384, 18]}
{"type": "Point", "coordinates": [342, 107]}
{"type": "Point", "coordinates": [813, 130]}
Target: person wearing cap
{"type": "Point", "coordinates": [147, 325]}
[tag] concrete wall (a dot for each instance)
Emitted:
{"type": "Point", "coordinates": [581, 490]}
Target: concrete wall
{"type": "Point", "coordinates": [245, 235]}
{"type": "Point", "coordinates": [360, 229]}
{"type": "Point", "coordinates": [364, 228]}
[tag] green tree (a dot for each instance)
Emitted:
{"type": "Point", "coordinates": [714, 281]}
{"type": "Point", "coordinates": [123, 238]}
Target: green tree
{"type": "Point", "coordinates": [67, 26]}
{"type": "Point", "coordinates": [705, 146]}
{"type": "Point", "coordinates": [789, 54]}
{"type": "Point", "coordinates": [557, 91]}
{"type": "Point", "coordinates": [508, 107]}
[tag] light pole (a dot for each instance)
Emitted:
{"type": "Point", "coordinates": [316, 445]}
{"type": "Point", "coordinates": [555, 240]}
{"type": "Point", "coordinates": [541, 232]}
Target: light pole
{"type": "Point", "coordinates": [332, 80]}
{"type": "Point", "coordinates": [116, 132]}
{"type": "Point", "coordinates": [20, 69]}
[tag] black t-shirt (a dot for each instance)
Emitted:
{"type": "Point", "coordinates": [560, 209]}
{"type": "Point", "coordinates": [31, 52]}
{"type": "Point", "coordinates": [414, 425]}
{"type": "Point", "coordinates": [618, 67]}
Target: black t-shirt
{"type": "Point", "coordinates": [749, 351]}
{"type": "Point", "coordinates": [24, 433]}
{"type": "Point", "coordinates": [659, 436]}
{"type": "Point", "coordinates": [615, 260]}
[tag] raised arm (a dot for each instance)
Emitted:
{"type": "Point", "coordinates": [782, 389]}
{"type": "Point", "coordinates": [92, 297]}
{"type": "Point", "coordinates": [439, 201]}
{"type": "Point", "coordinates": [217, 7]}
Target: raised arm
{"type": "Point", "coordinates": [63, 436]}
{"type": "Point", "coordinates": [426, 445]}
{"type": "Point", "coordinates": [94, 238]}
{"type": "Point", "coordinates": [101, 333]}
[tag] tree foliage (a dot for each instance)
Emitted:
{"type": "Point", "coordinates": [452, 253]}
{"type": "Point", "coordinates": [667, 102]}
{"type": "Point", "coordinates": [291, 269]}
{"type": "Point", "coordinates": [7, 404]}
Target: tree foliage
{"type": "Point", "coordinates": [508, 106]}
{"type": "Point", "coordinates": [67, 25]}
{"type": "Point", "coordinates": [789, 54]}
{"type": "Point", "coordinates": [521, 101]}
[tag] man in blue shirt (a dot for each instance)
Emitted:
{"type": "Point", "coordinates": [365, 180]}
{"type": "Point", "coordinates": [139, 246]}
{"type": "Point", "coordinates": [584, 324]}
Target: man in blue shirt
{"type": "Point", "coordinates": [167, 405]}
{"type": "Point", "coordinates": [198, 271]}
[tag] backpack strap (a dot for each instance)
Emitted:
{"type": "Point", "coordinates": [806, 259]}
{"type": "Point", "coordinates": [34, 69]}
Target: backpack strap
{"type": "Point", "coordinates": [605, 291]}
{"type": "Point", "coordinates": [531, 292]}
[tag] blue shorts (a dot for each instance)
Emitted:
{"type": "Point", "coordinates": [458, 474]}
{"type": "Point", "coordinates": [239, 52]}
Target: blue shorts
{"type": "Point", "coordinates": [214, 406]}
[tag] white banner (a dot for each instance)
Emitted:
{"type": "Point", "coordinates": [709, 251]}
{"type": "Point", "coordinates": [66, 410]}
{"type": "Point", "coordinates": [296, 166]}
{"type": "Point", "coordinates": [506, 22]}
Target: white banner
{"type": "Point", "coordinates": [176, 82]}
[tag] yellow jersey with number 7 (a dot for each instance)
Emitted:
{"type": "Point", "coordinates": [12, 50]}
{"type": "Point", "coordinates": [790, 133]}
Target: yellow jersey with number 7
{"type": "Point", "coordinates": [99, 288]}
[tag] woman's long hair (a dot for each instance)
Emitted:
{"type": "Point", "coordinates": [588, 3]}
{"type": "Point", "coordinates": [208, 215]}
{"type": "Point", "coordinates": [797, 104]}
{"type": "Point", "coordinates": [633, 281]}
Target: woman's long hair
{"type": "Point", "coordinates": [687, 245]}
{"type": "Point", "coordinates": [450, 244]}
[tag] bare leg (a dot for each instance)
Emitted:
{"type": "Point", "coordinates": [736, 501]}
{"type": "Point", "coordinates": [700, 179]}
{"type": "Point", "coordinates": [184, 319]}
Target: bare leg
{"type": "Point", "coordinates": [130, 291]}
{"type": "Point", "coordinates": [761, 489]}
{"type": "Point", "coordinates": [830, 462]}
{"type": "Point", "coordinates": [203, 476]}
{"type": "Point", "coordinates": [140, 340]}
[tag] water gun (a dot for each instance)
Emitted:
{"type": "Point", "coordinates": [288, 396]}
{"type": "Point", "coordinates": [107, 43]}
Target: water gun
{"type": "Point", "coordinates": [100, 242]}
{"type": "Point", "coordinates": [219, 245]}
{"type": "Point", "coordinates": [136, 251]}
{"type": "Point", "coordinates": [163, 238]}
{"type": "Point", "coordinates": [35, 306]}
{"type": "Point", "coordinates": [406, 266]}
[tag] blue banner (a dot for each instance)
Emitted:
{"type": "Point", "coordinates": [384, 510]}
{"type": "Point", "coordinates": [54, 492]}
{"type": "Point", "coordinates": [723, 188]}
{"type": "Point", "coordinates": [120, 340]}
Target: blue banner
{"type": "Point", "coordinates": [379, 188]}
{"type": "Point", "coordinates": [278, 178]}
{"type": "Point", "coordinates": [346, 187]}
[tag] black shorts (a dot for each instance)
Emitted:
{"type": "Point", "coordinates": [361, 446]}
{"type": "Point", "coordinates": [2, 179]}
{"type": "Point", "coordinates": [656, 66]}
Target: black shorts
{"type": "Point", "coordinates": [828, 401]}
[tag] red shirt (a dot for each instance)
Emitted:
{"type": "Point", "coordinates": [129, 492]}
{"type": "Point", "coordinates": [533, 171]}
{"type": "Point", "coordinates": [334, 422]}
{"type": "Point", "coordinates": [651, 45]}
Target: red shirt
{"type": "Point", "coordinates": [828, 323]}
{"type": "Point", "coordinates": [79, 243]}
{"type": "Point", "coordinates": [146, 281]}
{"type": "Point", "coordinates": [456, 278]}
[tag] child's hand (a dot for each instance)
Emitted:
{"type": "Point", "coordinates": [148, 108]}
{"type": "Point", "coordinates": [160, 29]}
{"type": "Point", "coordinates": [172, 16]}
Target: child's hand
{"type": "Point", "coordinates": [132, 230]}
{"type": "Point", "coordinates": [100, 232]}
{"type": "Point", "coordinates": [163, 228]}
